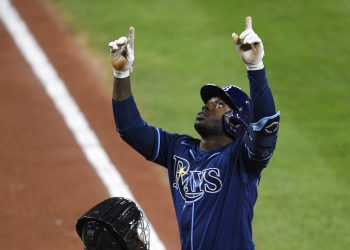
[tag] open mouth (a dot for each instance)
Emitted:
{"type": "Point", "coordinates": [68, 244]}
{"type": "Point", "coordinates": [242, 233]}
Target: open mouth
{"type": "Point", "coordinates": [201, 115]}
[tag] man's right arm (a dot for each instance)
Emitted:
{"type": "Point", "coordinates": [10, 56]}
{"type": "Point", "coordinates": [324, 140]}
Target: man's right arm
{"type": "Point", "coordinates": [121, 89]}
{"type": "Point", "coordinates": [128, 121]}
{"type": "Point", "coordinates": [149, 141]}
{"type": "Point", "coordinates": [122, 58]}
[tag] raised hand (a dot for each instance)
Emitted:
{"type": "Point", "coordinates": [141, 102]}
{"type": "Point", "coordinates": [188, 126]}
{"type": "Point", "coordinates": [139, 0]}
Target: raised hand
{"type": "Point", "coordinates": [249, 46]}
{"type": "Point", "coordinates": [122, 54]}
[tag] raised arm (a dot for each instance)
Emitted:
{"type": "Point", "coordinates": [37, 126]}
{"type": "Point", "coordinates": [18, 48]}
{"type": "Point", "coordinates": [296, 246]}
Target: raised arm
{"type": "Point", "coordinates": [251, 51]}
{"type": "Point", "coordinates": [127, 118]}
{"type": "Point", "coordinates": [145, 139]}
{"type": "Point", "coordinates": [261, 138]}
{"type": "Point", "coordinates": [122, 57]}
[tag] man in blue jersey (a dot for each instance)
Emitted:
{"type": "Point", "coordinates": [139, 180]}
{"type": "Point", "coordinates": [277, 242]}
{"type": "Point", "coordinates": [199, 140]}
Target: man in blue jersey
{"type": "Point", "coordinates": [213, 180]}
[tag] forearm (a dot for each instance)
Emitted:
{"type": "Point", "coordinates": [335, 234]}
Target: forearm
{"type": "Point", "coordinates": [262, 99]}
{"type": "Point", "coordinates": [121, 88]}
{"type": "Point", "coordinates": [122, 58]}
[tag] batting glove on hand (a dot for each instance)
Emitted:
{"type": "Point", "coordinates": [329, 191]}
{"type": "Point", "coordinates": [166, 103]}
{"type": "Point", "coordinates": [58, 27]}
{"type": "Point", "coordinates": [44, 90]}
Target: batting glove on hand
{"type": "Point", "coordinates": [122, 54]}
{"type": "Point", "coordinates": [249, 47]}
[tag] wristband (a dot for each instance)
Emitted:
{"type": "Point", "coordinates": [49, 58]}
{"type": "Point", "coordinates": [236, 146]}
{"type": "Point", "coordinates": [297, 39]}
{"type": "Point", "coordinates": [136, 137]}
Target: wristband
{"type": "Point", "coordinates": [121, 74]}
{"type": "Point", "coordinates": [258, 66]}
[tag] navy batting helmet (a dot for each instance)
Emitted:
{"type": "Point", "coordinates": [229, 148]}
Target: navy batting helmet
{"type": "Point", "coordinates": [238, 119]}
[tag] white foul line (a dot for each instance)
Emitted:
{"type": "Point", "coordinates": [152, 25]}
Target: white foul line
{"type": "Point", "coordinates": [67, 107]}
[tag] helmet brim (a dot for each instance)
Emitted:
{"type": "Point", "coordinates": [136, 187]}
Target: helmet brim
{"type": "Point", "coordinates": [209, 91]}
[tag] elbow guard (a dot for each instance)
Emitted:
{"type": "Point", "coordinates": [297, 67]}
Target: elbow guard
{"type": "Point", "coordinates": [260, 139]}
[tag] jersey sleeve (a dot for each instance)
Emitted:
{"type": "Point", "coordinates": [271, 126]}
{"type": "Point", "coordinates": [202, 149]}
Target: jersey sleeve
{"type": "Point", "coordinates": [260, 140]}
{"type": "Point", "coordinates": [261, 136]}
{"type": "Point", "coordinates": [149, 141]}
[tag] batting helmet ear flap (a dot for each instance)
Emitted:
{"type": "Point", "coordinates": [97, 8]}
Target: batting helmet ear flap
{"type": "Point", "coordinates": [233, 124]}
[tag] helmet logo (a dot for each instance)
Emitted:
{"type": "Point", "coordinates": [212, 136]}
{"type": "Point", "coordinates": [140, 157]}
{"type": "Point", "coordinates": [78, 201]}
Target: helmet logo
{"type": "Point", "coordinates": [227, 88]}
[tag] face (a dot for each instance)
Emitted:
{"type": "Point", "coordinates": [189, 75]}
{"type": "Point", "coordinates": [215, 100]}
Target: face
{"type": "Point", "coordinates": [209, 119]}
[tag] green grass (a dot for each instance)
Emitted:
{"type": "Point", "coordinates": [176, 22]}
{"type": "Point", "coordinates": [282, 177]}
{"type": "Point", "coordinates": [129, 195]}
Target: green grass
{"type": "Point", "coordinates": [304, 200]}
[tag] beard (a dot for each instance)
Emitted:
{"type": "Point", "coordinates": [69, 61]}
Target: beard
{"type": "Point", "coordinates": [206, 130]}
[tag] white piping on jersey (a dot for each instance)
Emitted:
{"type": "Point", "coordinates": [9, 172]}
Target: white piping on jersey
{"type": "Point", "coordinates": [192, 154]}
{"type": "Point", "coordinates": [262, 122]}
{"type": "Point", "coordinates": [185, 143]}
{"type": "Point", "coordinates": [213, 155]}
{"type": "Point", "coordinates": [158, 145]}
{"type": "Point", "coordinates": [192, 222]}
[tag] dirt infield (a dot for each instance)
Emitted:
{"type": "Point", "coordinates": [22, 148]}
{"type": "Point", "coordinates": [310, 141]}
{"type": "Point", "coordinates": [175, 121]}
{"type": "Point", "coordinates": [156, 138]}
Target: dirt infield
{"type": "Point", "coordinates": [46, 182]}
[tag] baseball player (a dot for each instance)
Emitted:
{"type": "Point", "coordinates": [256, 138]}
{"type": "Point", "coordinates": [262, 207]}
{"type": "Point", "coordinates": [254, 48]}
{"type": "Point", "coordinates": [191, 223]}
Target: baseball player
{"type": "Point", "coordinates": [214, 179]}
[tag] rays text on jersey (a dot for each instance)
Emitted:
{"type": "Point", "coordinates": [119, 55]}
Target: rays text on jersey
{"type": "Point", "coordinates": [194, 184]}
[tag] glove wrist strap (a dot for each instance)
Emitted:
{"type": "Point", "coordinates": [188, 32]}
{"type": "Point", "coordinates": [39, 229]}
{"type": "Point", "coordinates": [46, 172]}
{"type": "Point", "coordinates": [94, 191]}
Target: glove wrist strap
{"type": "Point", "coordinates": [121, 73]}
{"type": "Point", "coordinates": [258, 66]}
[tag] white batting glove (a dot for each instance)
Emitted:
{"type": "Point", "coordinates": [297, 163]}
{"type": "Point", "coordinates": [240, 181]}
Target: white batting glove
{"type": "Point", "coordinates": [122, 54]}
{"type": "Point", "coordinates": [249, 46]}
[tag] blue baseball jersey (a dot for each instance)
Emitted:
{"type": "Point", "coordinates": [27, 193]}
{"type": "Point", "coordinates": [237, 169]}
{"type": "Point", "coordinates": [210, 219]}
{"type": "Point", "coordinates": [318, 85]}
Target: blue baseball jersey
{"type": "Point", "coordinates": [213, 191]}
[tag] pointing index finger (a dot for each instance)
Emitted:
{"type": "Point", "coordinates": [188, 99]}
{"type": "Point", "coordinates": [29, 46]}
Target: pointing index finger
{"type": "Point", "coordinates": [131, 36]}
{"type": "Point", "coordinates": [248, 22]}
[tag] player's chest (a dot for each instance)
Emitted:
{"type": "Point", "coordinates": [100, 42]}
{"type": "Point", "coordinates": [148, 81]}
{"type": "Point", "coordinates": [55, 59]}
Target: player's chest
{"type": "Point", "coordinates": [194, 175]}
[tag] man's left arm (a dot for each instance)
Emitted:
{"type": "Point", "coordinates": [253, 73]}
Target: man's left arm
{"type": "Point", "coordinates": [260, 139]}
